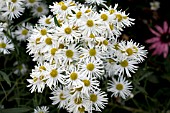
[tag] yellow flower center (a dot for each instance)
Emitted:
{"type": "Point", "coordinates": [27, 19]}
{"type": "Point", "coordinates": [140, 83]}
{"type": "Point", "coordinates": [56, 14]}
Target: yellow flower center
{"type": "Point", "coordinates": [92, 52]}
{"type": "Point", "coordinates": [104, 17]}
{"type": "Point", "coordinates": [41, 112]}
{"type": "Point", "coordinates": [119, 86]}
{"type": "Point", "coordinates": [90, 66]}
{"type": "Point", "coordinates": [54, 73]}
{"type": "Point", "coordinates": [67, 30]}
{"type": "Point", "coordinates": [42, 68]}
{"type": "Point", "coordinates": [2, 45]}
{"type": "Point", "coordinates": [119, 17]}
{"type": "Point", "coordinates": [61, 96]}
{"type": "Point", "coordinates": [93, 97]}
{"type": "Point", "coordinates": [78, 14]}
{"type": "Point", "coordinates": [35, 79]}
{"type": "Point", "coordinates": [111, 26]}
{"type": "Point", "coordinates": [129, 51]}
{"type": "Point", "coordinates": [78, 100]}
{"type": "Point", "coordinates": [41, 77]}
{"type": "Point", "coordinates": [69, 53]}
{"type": "Point", "coordinates": [124, 63]}
{"type": "Point", "coordinates": [90, 23]}
{"type": "Point", "coordinates": [53, 50]}
{"type": "Point", "coordinates": [47, 21]}
{"type": "Point", "coordinates": [43, 32]}
{"type": "Point", "coordinates": [24, 32]}
{"type": "Point", "coordinates": [110, 60]}
{"type": "Point", "coordinates": [86, 82]}
{"type": "Point", "coordinates": [14, 1]}
{"type": "Point", "coordinates": [39, 9]}
{"type": "Point", "coordinates": [31, 1]}
{"type": "Point", "coordinates": [81, 109]}
{"type": "Point", "coordinates": [92, 35]}
{"type": "Point", "coordinates": [48, 41]}
{"type": "Point", "coordinates": [111, 11]}
{"type": "Point", "coordinates": [63, 7]}
{"type": "Point", "coordinates": [105, 42]}
{"type": "Point", "coordinates": [61, 46]}
{"type": "Point", "coordinates": [87, 11]}
{"type": "Point", "coordinates": [116, 46]}
{"type": "Point", "coordinates": [73, 76]}
{"type": "Point", "coordinates": [37, 40]}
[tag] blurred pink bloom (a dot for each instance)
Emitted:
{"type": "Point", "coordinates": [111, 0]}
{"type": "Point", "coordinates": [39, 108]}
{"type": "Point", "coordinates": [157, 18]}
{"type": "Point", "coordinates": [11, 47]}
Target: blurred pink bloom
{"type": "Point", "coordinates": [161, 41]}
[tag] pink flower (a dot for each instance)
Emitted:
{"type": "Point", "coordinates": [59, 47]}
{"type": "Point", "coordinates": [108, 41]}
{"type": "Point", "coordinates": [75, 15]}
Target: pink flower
{"type": "Point", "coordinates": [161, 41]}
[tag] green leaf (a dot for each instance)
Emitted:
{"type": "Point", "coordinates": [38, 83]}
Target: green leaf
{"type": "Point", "coordinates": [5, 77]}
{"type": "Point", "coordinates": [153, 79]}
{"type": "Point", "coordinates": [56, 21]}
{"type": "Point", "coordinates": [166, 76]}
{"type": "Point", "coordinates": [141, 89]}
{"type": "Point", "coordinates": [15, 110]}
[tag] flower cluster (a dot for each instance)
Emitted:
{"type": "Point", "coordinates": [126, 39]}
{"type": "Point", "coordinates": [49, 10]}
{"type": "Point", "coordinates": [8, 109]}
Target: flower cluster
{"type": "Point", "coordinates": [12, 9]}
{"type": "Point", "coordinates": [5, 43]}
{"type": "Point", "coordinates": [76, 48]}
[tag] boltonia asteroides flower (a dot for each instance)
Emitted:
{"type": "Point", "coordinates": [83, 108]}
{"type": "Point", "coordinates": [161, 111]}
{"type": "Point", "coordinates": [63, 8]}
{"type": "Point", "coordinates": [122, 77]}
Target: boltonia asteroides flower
{"type": "Point", "coordinates": [79, 45]}
{"type": "Point", "coordinates": [120, 87]}
{"type": "Point", "coordinates": [42, 109]}
{"type": "Point", "coordinates": [6, 45]}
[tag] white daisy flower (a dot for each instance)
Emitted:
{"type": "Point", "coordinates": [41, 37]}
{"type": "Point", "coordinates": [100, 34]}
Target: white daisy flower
{"type": "Point", "coordinates": [155, 5]}
{"type": "Point", "coordinates": [89, 85]}
{"type": "Point", "coordinates": [42, 32]}
{"type": "Point", "coordinates": [23, 32]}
{"type": "Point", "coordinates": [47, 43]}
{"type": "Point", "coordinates": [37, 82]}
{"type": "Point", "coordinates": [73, 78]}
{"type": "Point", "coordinates": [6, 45]}
{"type": "Point", "coordinates": [97, 100]}
{"type": "Point", "coordinates": [126, 65]}
{"type": "Point", "coordinates": [132, 50]}
{"type": "Point", "coordinates": [77, 105]}
{"type": "Point", "coordinates": [33, 45]}
{"type": "Point", "coordinates": [39, 10]}
{"type": "Point", "coordinates": [70, 54]}
{"type": "Point", "coordinates": [20, 68]}
{"type": "Point", "coordinates": [91, 24]}
{"type": "Point", "coordinates": [63, 8]}
{"type": "Point", "coordinates": [54, 75]}
{"type": "Point", "coordinates": [91, 51]}
{"type": "Point", "coordinates": [120, 87]}
{"type": "Point", "coordinates": [42, 109]}
{"type": "Point", "coordinates": [123, 20]}
{"type": "Point", "coordinates": [54, 55]}
{"type": "Point", "coordinates": [60, 97]}
{"type": "Point", "coordinates": [91, 68]}
{"type": "Point", "coordinates": [67, 34]}
{"type": "Point", "coordinates": [46, 21]}
{"type": "Point", "coordinates": [12, 11]}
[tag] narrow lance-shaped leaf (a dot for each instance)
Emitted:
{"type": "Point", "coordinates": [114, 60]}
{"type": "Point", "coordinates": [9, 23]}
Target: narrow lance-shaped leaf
{"type": "Point", "coordinates": [56, 22]}
{"type": "Point", "coordinates": [5, 77]}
